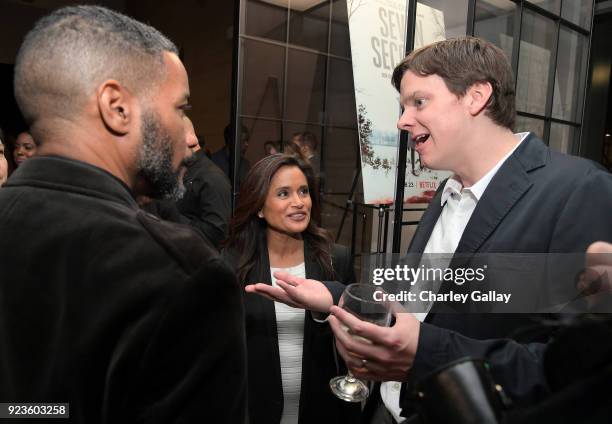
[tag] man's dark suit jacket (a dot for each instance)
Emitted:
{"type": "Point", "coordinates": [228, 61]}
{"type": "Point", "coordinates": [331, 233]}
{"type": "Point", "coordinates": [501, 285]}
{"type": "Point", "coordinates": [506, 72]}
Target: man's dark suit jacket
{"type": "Point", "coordinates": [126, 317]}
{"type": "Point", "coordinates": [320, 362]}
{"type": "Point", "coordinates": [207, 200]}
{"type": "Point", "coordinates": [539, 201]}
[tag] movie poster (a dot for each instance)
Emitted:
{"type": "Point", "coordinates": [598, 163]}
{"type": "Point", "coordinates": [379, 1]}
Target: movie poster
{"type": "Point", "coordinates": [378, 32]}
{"type": "Point", "coordinates": [421, 182]}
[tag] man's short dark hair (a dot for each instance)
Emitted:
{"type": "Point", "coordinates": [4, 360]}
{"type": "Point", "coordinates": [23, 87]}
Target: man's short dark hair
{"type": "Point", "coordinates": [462, 62]}
{"type": "Point", "coordinates": [70, 52]}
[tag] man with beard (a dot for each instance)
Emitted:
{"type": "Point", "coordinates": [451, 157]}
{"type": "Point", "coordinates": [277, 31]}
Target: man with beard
{"type": "Point", "coordinates": [206, 202]}
{"type": "Point", "coordinates": [125, 317]}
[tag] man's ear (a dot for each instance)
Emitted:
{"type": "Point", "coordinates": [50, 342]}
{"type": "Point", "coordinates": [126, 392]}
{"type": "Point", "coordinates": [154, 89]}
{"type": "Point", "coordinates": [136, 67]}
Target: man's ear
{"type": "Point", "coordinates": [478, 96]}
{"type": "Point", "coordinates": [116, 107]}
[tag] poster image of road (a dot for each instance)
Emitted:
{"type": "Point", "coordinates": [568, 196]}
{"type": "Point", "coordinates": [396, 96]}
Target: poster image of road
{"type": "Point", "coordinates": [378, 33]}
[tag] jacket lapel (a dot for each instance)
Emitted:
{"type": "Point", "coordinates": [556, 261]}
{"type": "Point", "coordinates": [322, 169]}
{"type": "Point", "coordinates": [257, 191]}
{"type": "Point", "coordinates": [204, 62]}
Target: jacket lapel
{"type": "Point", "coordinates": [428, 221]}
{"type": "Point", "coordinates": [258, 305]}
{"type": "Point", "coordinates": [505, 189]}
{"type": "Point", "coordinates": [264, 331]}
{"type": "Point", "coordinates": [261, 274]}
{"type": "Point", "coordinates": [313, 271]}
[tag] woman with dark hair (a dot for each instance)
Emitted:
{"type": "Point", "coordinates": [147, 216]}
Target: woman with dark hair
{"type": "Point", "coordinates": [291, 355]}
{"type": "Point", "coordinates": [24, 148]}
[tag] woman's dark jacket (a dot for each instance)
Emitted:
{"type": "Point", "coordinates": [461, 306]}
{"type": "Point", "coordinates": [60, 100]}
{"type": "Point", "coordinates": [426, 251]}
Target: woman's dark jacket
{"type": "Point", "coordinates": [320, 362]}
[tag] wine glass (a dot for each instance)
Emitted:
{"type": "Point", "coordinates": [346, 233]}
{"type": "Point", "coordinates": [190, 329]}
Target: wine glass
{"type": "Point", "coordinates": [359, 299]}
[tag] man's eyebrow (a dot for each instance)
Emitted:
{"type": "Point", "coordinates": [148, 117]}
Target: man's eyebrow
{"type": "Point", "coordinates": [404, 99]}
{"type": "Point", "coordinates": [412, 96]}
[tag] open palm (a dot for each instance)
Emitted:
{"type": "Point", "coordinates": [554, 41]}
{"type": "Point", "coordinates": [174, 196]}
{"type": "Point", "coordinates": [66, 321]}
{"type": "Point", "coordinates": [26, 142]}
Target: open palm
{"type": "Point", "coordinates": [295, 291]}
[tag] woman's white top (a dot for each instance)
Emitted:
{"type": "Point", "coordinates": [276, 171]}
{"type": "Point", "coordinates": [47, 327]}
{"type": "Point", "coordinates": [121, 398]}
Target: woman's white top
{"type": "Point", "coordinates": [290, 329]}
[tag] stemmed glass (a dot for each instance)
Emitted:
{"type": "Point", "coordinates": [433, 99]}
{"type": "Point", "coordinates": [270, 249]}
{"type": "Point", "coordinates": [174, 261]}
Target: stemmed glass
{"type": "Point", "coordinates": [359, 299]}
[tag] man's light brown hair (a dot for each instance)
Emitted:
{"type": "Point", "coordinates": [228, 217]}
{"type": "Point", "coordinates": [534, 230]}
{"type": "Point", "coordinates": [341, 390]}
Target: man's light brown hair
{"type": "Point", "coordinates": [462, 62]}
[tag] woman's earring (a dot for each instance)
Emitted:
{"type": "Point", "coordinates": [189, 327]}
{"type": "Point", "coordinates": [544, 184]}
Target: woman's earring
{"type": "Point", "coordinates": [260, 214]}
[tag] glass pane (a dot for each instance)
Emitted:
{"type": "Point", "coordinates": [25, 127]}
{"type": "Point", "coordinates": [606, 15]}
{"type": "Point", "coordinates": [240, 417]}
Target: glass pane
{"type": "Point", "coordinates": [305, 86]}
{"type": "Point", "coordinates": [535, 57]}
{"type": "Point", "coordinates": [331, 217]}
{"type": "Point", "coordinates": [495, 22]}
{"type": "Point", "coordinates": [524, 124]}
{"type": "Point", "coordinates": [553, 6]}
{"type": "Point", "coordinates": [562, 137]}
{"type": "Point", "coordinates": [340, 43]}
{"type": "Point", "coordinates": [265, 20]}
{"type": "Point", "coordinates": [341, 147]}
{"type": "Point", "coordinates": [341, 109]}
{"type": "Point", "coordinates": [570, 76]}
{"type": "Point", "coordinates": [578, 12]}
{"type": "Point", "coordinates": [439, 19]}
{"type": "Point", "coordinates": [262, 73]}
{"type": "Point", "coordinates": [308, 27]}
{"type": "Point", "coordinates": [332, 211]}
{"type": "Point", "coordinates": [259, 132]}
{"type": "Point", "coordinates": [291, 129]}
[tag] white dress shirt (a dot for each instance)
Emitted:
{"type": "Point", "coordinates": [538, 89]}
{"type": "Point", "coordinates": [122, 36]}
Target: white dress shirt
{"type": "Point", "coordinates": [290, 330]}
{"type": "Point", "coordinates": [458, 204]}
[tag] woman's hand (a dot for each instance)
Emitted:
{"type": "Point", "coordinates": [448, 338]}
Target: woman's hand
{"type": "Point", "coordinates": [296, 292]}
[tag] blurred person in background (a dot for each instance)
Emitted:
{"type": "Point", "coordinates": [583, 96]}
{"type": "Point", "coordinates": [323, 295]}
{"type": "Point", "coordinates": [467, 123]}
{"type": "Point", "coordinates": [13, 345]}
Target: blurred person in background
{"type": "Point", "coordinates": [24, 148]}
{"type": "Point", "coordinates": [293, 149]}
{"type": "Point", "coordinates": [3, 161]}
{"type": "Point", "coordinates": [308, 144]}
{"type": "Point", "coordinates": [202, 144]}
{"type": "Point", "coordinates": [271, 148]}
{"type": "Point", "coordinates": [207, 199]}
{"type": "Point", "coordinates": [223, 157]}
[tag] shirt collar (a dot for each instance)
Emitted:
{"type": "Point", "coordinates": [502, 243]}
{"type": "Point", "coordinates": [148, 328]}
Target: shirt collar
{"type": "Point", "coordinates": [453, 186]}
